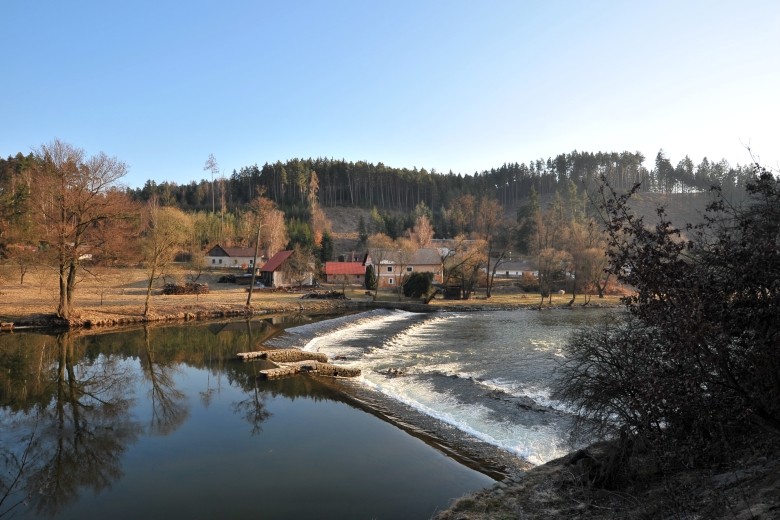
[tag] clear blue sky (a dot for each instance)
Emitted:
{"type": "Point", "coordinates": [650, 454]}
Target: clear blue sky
{"type": "Point", "coordinates": [446, 85]}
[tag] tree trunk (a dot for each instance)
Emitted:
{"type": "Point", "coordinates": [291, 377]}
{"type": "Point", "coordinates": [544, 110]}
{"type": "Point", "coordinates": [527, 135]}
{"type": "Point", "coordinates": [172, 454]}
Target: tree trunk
{"type": "Point", "coordinates": [149, 289]}
{"type": "Point", "coordinates": [254, 269]}
{"type": "Point", "coordinates": [63, 308]}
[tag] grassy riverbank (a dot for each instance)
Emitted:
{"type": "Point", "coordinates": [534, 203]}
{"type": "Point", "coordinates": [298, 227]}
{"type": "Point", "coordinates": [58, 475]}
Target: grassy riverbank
{"type": "Point", "coordinates": [116, 296]}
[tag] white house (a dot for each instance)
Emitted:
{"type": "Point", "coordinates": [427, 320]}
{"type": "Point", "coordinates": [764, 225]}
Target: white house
{"type": "Point", "coordinates": [515, 269]}
{"type": "Point", "coordinates": [238, 257]}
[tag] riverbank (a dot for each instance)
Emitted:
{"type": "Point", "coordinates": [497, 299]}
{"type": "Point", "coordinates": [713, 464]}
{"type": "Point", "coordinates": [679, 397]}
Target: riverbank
{"type": "Point", "coordinates": [115, 297]}
{"type": "Point", "coordinates": [746, 488]}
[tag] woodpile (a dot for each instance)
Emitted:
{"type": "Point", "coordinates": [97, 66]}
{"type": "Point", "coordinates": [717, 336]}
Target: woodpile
{"type": "Point", "coordinates": [285, 355]}
{"type": "Point", "coordinates": [309, 367]}
{"type": "Point", "coordinates": [291, 361]}
{"type": "Point", "coordinates": [187, 288]}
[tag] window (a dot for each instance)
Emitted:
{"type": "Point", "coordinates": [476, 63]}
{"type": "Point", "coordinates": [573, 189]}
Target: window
{"type": "Point", "coordinates": [213, 260]}
{"type": "Point", "coordinates": [390, 281]}
{"type": "Point", "coordinates": [220, 260]}
{"type": "Point", "coordinates": [409, 269]}
{"type": "Point", "coordinates": [389, 268]}
{"type": "Point", "coordinates": [250, 262]}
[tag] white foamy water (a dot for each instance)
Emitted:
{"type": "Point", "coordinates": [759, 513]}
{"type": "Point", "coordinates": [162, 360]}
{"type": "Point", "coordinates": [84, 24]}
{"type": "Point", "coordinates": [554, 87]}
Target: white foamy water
{"type": "Point", "coordinates": [487, 374]}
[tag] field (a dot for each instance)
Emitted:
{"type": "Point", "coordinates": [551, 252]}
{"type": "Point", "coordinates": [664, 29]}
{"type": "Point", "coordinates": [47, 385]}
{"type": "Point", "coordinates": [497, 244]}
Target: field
{"type": "Point", "coordinates": [117, 295]}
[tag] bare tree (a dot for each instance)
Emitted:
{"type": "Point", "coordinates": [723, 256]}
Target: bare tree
{"type": "Point", "coordinates": [489, 224]}
{"type": "Point", "coordinates": [212, 166]}
{"type": "Point", "coordinates": [166, 232]}
{"type": "Point", "coordinates": [553, 264]}
{"type": "Point", "coordinates": [270, 220]}
{"type": "Point", "coordinates": [380, 246]}
{"type": "Point", "coordinates": [75, 194]}
{"type": "Point", "coordinates": [23, 256]}
{"type": "Point", "coordinates": [464, 263]}
{"type": "Point", "coordinates": [298, 267]}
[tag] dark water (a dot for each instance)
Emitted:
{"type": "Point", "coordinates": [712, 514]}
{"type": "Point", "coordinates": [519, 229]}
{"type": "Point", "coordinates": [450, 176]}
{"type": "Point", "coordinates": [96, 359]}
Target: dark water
{"type": "Point", "coordinates": [161, 423]}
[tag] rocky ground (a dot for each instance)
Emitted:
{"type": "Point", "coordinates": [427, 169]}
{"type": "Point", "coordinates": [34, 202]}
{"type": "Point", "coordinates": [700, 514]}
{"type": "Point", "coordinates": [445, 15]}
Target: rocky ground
{"type": "Point", "coordinates": [747, 487]}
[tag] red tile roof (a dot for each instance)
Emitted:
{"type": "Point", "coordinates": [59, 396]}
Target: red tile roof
{"type": "Point", "coordinates": [276, 261]}
{"type": "Point", "coordinates": [333, 268]}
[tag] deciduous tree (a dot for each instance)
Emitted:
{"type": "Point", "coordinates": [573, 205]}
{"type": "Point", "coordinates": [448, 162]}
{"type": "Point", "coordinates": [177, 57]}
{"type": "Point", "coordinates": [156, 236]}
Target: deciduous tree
{"type": "Point", "coordinates": [692, 370]}
{"type": "Point", "coordinates": [165, 235]}
{"type": "Point", "coordinates": [74, 195]}
{"type": "Point", "coordinates": [299, 266]}
{"type": "Point", "coordinates": [423, 233]}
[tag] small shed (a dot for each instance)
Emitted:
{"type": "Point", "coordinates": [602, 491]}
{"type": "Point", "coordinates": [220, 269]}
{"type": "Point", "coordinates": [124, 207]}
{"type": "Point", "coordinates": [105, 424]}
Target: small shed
{"type": "Point", "coordinates": [273, 272]}
{"type": "Point", "coordinates": [453, 292]}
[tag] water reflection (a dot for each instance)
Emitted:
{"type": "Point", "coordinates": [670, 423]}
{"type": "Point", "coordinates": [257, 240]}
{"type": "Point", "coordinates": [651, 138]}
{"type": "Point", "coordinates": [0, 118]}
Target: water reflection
{"type": "Point", "coordinates": [169, 409]}
{"type": "Point", "coordinates": [66, 399]}
{"type": "Point", "coordinates": [73, 430]}
{"type": "Point", "coordinates": [95, 425]}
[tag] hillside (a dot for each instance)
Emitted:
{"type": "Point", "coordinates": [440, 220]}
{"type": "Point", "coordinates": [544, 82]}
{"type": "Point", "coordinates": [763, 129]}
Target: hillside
{"type": "Point", "coordinates": [681, 209]}
{"type": "Point", "coordinates": [344, 225]}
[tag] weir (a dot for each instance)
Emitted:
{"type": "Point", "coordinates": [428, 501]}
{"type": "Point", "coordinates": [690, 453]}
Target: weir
{"type": "Point", "coordinates": [284, 355]}
{"type": "Point", "coordinates": [293, 361]}
{"type": "Point", "coordinates": [308, 367]}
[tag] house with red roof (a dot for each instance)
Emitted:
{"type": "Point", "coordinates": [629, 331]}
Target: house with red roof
{"type": "Point", "coordinates": [352, 273]}
{"type": "Point", "coordinates": [275, 274]}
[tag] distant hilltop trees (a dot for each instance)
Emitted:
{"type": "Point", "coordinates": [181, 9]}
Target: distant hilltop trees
{"type": "Point", "coordinates": [367, 185]}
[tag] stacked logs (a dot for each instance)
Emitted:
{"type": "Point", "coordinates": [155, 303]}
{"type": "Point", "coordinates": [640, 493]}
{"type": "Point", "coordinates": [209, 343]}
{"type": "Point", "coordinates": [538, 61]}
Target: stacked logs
{"type": "Point", "coordinates": [293, 361]}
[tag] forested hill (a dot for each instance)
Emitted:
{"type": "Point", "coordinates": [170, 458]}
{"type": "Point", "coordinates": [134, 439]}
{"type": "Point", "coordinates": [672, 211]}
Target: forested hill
{"type": "Point", "coordinates": [367, 185]}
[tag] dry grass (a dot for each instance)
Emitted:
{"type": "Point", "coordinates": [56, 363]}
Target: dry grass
{"type": "Point", "coordinates": [106, 295]}
{"type": "Point", "coordinates": [119, 294]}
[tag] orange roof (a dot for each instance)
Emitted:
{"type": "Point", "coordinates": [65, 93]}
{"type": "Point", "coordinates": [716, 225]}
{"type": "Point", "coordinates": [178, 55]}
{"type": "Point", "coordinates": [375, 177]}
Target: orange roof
{"type": "Point", "coordinates": [275, 261]}
{"type": "Point", "coordinates": [332, 268]}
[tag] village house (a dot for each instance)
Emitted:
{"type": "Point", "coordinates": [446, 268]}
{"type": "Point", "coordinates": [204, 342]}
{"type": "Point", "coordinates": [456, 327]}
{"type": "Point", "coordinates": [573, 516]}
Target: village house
{"type": "Point", "coordinates": [515, 269]}
{"type": "Point", "coordinates": [392, 267]}
{"type": "Point", "coordinates": [274, 274]}
{"type": "Point", "coordinates": [238, 257]}
{"type": "Point", "coordinates": [353, 273]}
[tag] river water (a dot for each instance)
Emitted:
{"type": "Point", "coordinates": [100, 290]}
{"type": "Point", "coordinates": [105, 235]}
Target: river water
{"type": "Point", "coordinates": [163, 422]}
{"type": "Point", "coordinates": [487, 374]}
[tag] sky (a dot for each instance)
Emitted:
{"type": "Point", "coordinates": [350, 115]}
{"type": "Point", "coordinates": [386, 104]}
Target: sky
{"type": "Point", "coordinates": [451, 85]}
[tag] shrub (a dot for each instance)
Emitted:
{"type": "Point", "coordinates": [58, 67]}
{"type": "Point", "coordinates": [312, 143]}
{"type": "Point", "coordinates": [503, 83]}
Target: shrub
{"type": "Point", "coordinates": [693, 367]}
{"type": "Point", "coordinates": [418, 284]}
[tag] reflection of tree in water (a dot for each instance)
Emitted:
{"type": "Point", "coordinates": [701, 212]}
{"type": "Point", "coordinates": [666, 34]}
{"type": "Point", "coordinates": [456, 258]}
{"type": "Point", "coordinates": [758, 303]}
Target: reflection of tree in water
{"type": "Point", "coordinates": [169, 409]}
{"type": "Point", "coordinates": [76, 439]}
{"type": "Point", "coordinates": [15, 464]}
{"type": "Point", "coordinates": [252, 409]}
{"type": "Point", "coordinates": [64, 401]}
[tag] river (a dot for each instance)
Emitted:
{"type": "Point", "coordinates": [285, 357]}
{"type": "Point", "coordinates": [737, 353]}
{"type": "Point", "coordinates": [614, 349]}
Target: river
{"type": "Point", "coordinates": [162, 422]}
